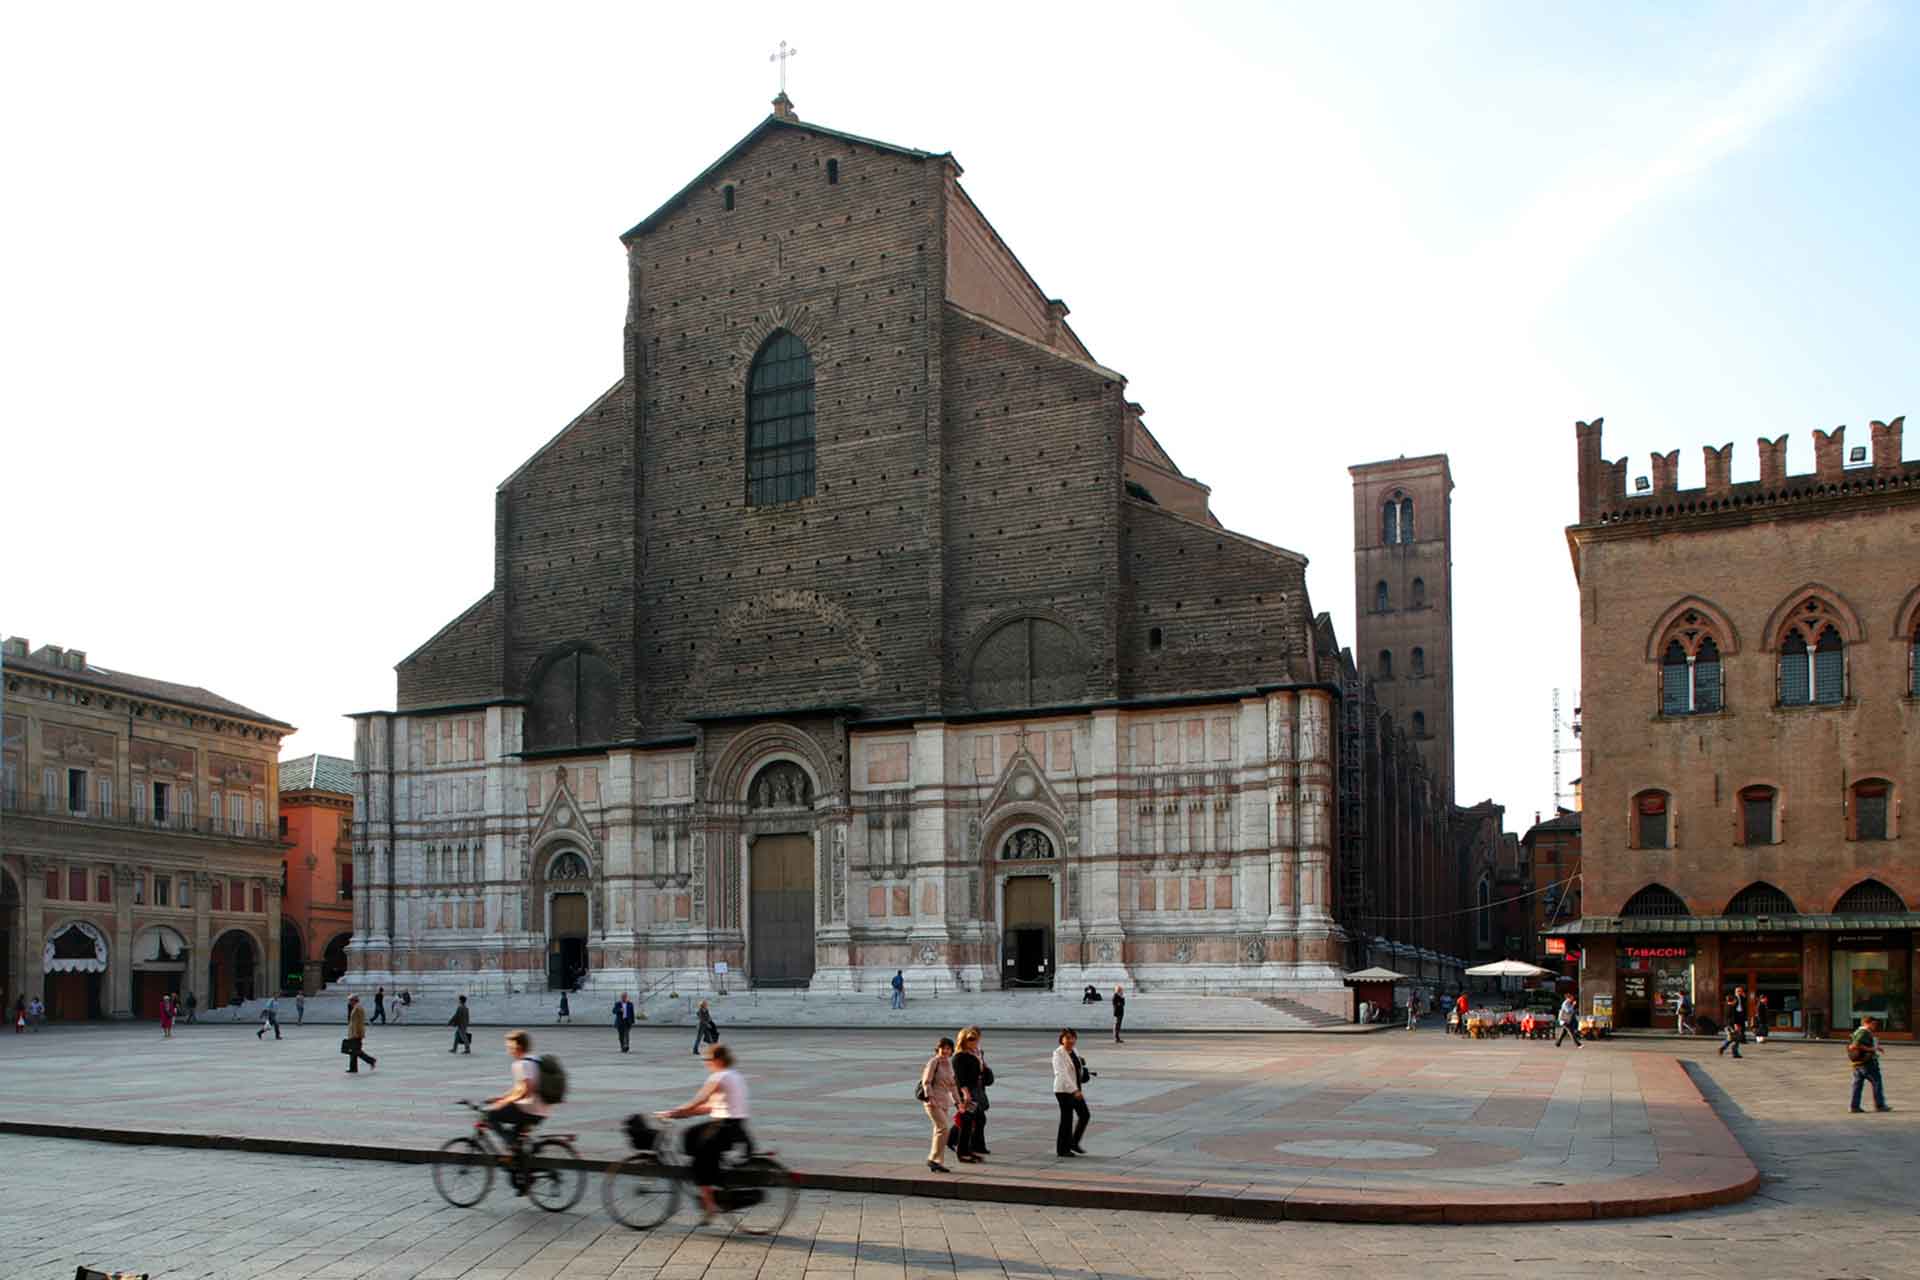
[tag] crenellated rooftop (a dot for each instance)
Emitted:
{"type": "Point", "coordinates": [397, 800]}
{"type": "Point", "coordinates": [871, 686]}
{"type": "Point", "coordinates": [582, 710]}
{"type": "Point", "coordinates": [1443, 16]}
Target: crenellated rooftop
{"type": "Point", "coordinates": [1605, 499]}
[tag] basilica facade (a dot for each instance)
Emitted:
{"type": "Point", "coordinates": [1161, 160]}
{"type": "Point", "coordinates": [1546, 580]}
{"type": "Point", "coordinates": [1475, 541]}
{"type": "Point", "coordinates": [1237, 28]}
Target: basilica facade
{"type": "Point", "coordinates": [862, 625]}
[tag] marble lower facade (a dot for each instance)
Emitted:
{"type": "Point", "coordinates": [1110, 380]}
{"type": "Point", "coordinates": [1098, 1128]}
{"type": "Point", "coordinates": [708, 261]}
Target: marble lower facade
{"type": "Point", "coordinates": [1184, 847]}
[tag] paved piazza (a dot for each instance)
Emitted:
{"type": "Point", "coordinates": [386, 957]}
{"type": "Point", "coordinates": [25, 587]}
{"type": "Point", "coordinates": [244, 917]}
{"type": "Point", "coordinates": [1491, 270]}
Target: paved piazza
{"type": "Point", "coordinates": [1387, 1111]}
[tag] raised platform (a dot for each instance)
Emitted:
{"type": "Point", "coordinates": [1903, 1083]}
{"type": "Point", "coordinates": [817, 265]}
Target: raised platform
{"type": "Point", "coordinates": [1387, 1128]}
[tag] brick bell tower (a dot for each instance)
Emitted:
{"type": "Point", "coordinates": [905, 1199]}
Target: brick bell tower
{"type": "Point", "coordinates": [1403, 597]}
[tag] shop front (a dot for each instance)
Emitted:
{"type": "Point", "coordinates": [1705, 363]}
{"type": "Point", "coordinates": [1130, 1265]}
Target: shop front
{"type": "Point", "coordinates": [1651, 975]}
{"type": "Point", "coordinates": [1767, 967]}
{"type": "Point", "coordinates": [1871, 976]}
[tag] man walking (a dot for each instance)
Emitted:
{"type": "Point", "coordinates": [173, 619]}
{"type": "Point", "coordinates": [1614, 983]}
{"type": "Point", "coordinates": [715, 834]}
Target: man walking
{"type": "Point", "coordinates": [1569, 1024]}
{"type": "Point", "coordinates": [1683, 1019]}
{"type": "Point", "coordinates": [1863, 1051]}
{"type": "Point", "coordinates": [269, 1017]}
{"type": "Point", "coordinates": [1460, 1014]}
{"type": "Point", "coordinates": [1736, 1022]}
{"type": "Point", "coordinates": [354, 1046]}
{"type": "Point", "coordinates": [623, 1019]}
{"type": "Point", "coordinates": [1413, 1010]}
{"type": "Point", "coordinates": [899, 989]}
{"type": "Point", "coordinates": [193, 1008]}
{"type": "Point", "coordinates": [379, 1004]}
{"type": "Point", "coordinates": [461, 1036]}
{"type": "Point", "coordinates": [299, 1008]}
{"type": "Point", "coordinates": [1119, 1012]}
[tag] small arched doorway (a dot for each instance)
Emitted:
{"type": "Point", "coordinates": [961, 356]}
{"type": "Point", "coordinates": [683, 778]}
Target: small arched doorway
{"type": "Point", "coordinates": [333, 961]}
{"type": "Point", "coordinates": [293, 958]}
{"type": "Point", "coordinates": [75, 964]}
{"type": "Point", "coordinates": [780, 878]}
{"type": "Point", "coordinates": [568, 920]}
{"type": "Point", "coordinates": [235, 969]}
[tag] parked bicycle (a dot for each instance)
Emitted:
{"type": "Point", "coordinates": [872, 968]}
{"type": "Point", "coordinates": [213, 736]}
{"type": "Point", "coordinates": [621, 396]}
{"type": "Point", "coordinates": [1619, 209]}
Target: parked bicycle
{"type": "Point", "coordinates": [642, 1191]}
{"type": "Point", "coordinates": [547, 1170]}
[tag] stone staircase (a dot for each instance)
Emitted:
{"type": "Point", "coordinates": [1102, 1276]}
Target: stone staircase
{"type": "Point", "coordinates": [946, 1010]}
{"type": "Point", "coordinates": [1318, 1019]}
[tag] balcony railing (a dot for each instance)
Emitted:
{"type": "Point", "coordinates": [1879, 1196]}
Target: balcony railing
{"type": "Point", "coordinates": [125, 815]}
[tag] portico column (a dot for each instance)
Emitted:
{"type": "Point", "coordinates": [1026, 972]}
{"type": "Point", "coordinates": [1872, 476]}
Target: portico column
{"type": "Point", "coordinates": [1315, 802]}
{"type": "Point", "coordinates": [120, 960]}
{"type": "Point", "coordinates": [200, 973]}
{"type": "Point", "coordinates": [1282, 772]}
{"type": "Point", "coordinates": [33, 927]}
{"type": "Point", "coordinates": [276, 979]}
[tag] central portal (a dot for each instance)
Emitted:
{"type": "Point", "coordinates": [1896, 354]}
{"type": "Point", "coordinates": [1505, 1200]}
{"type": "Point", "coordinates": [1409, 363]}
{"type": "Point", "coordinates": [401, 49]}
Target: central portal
{"type": "Point", "coordinates": [1028, 958]}
{"type": "Point", "coordinates": [567, 943]}
{"type": "Point", "coordinates": [781, 868]}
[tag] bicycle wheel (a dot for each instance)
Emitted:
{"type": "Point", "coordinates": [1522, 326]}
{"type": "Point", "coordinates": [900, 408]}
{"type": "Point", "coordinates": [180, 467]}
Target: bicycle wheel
{"type": "Point", "coordinates": [463, 1172]}
{"type": "Point", "coordinates": [778, 1195]}
{"type": "Point", "coordinates": [639, 1193]}
{"type": "Point", "coordinates": [557, 1189]}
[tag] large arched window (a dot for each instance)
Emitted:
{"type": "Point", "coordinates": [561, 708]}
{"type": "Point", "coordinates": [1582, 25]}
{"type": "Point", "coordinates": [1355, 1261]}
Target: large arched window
{"type": "Point", "coordinates": [1027, 662]}
{"type": "Point", "coordinates": [1652, 820]}
{"type": "Point", "coordinates": [1654, 902]}
{"type": "Point", "coordinates": [1760, 899]}
{"type": "Point", "coordinates": [780, 422]}
{"type": "Point", "coordinates": [1869, 898]}
{"type": "Point", "coordinates": [1690, 668]}
{"type": "Point", "coordinates": [1813, 658]}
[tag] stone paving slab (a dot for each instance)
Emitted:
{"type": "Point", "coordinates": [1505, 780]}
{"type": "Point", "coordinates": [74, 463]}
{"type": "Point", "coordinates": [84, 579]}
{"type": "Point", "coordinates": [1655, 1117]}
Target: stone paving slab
{"type": "Point", "coordinates": [1405, 1128]}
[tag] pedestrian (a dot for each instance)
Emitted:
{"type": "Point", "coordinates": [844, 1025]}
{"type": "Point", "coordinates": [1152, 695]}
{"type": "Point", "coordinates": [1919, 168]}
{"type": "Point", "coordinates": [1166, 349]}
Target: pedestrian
{"type": "Point", "coordinates": [379, 1004]}
{"type": "Point", "coordinates": [193, 1008]}
{"type": "Point", "coordinates": [704, 1032]}
{"type": "Point", "coordinates": [1569, 1023]}
{"type": "Point", "coordinates": [37, 1013]}
{"type": "Point", "coordinates": [1736, 1022]}
{"type": "Point", "coordinates": [1863, 1051]}
{"type": "Point", "coordinates": [354, 1046]}
{"type": "Point", "coordinates": [980, 1097]}
{"type": "Point", "coordinates": [166, 1017]}
{"type": "Point", "coordinates": [462, 1038]}
{"type": "Point", "coordinates": [899, 989]}
{"type": "Point", "coordinates": [400, 1004]}
{"type": "Point", "coordinates": [1119, 1012]}
{"type": "Point", "coordinates": [1460, 1014]}
{"type": "Point", "coordinates": [1069, 1079]}
{"type": "Point", "coordinates": [1683, 1019]}
{"type": "Point", "coordinates": [966, 1082]}
{"type": "Point", "coordinates": [1762, 1018]}
{"type": "Point", "coordinates": [269, 1017]}
{"type": "Point", "coordinates": [623, 1019]}
{"type": "Point", "coordinates": [566, 1010]}
{"type": "Point", "coordinates": [938, 1095]}
{"type": "Point", "coordinates": [299, 1008]}
{"type": "Point", "coordinates": [19, 1015]}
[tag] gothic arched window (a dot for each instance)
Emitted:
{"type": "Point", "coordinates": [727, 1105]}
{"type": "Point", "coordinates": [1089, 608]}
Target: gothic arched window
{"type": "Point", "coordinates": [1382, 599]}
{"type": "Point", "coordinates": [1386, 664]}
{"type": "Point", "coordinates": [1654, 901]}
{"type": "Point", "coordinates": [780, 422]}
{"type": "Point", "coordinates": [1813, 658]}
{"type": "Point", "coordinates": [1420, 724]}
{"type": "Point", "coordinates": [1690, 668]}
{"type": "Point", "coordinates": [1419, 661]}
{"type": "Point", "coordinates": [1406, 519]}
{"type": "Point", "coordinates": [1419, 599]}
{"type": "Point", "coordinates": [1390, 522]}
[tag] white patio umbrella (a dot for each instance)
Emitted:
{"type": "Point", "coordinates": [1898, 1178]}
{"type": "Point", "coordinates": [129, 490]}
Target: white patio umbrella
{"type": "Point", "coordinates": [1508, 969]}
{"type": "Point", "coordinates": [1377, 974]}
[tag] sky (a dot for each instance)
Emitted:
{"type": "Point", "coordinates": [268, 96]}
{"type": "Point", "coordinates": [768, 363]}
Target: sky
{"type": "Point", "coordinates": [286, 289]}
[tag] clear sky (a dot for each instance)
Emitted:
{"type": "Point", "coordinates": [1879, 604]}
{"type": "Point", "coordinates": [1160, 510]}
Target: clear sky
{"type": "Point", "coordinates": [287, 290]}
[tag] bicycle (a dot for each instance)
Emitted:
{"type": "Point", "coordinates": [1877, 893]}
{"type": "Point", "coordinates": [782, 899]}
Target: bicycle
{"type": "Point", "coordinates": [549, 1169]}
{"type": "Point", "coordinates": [643, 1190]}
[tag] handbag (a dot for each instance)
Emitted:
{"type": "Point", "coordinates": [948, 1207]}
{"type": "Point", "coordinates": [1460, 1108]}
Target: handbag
{"type": "Point", "coordinates": [986, 1076]}
{"type": "Point", "coordinates": [346, 1046]}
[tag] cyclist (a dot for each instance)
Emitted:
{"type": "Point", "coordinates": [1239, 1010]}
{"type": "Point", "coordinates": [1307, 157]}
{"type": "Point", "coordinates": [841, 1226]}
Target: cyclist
{"type": "Point", "coordinates": [723, 1100]}
{"type": "Point", "coordinates": [521, 1107]}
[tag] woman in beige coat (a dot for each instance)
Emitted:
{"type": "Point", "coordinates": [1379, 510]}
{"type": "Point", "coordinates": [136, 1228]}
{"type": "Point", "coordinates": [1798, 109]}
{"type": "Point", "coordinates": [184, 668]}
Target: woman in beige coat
{"type": "Point", "coordinates": [936, 1085]}
{"type": "Point", "coordinates": [356, 1037]}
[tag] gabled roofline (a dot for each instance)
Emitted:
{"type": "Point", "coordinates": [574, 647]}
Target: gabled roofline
{"type": "Point", "coordinates": [461, 617]}
{"type": "Point", "coordinates": [759, 131]}
{"type": "Point", "coordinates": [1087, 363]}
{"type": "Point", "coordinates": [554, 439]}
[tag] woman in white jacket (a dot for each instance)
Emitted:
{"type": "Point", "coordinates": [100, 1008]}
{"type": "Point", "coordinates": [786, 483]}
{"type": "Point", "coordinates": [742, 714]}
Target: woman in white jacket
{"type": "Point", "coordinates": [1067, 1092]}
